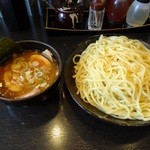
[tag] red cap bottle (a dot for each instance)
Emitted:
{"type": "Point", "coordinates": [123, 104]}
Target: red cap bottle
{"type": "Point", "coordinates": [116, 10]}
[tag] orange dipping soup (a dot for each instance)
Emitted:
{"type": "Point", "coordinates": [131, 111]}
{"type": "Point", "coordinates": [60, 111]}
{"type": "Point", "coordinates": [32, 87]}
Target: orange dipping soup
{"type": "Point", "coordinates": [26, 74]}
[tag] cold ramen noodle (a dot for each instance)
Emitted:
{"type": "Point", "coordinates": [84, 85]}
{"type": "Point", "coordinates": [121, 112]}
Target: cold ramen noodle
{"type": "Point", "coordinates": [27, 73]}
{"type": "Point", "coordinates": [113, 75]}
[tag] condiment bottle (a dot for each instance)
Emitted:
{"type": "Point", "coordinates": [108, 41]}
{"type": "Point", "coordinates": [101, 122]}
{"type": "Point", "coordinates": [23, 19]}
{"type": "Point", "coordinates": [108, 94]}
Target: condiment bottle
{"type": "Point", "coordinates": [116, 10]}
{"type": "Point", "coordinates": [69, 14]}
{"type": "Point", "coordinates": [138, 13]}
{"type": "Point", "coordinates": [96, 14]}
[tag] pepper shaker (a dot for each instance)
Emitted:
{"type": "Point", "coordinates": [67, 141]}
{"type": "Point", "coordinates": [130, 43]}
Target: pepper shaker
{"type": "Point", "coordinates": [96, 14]}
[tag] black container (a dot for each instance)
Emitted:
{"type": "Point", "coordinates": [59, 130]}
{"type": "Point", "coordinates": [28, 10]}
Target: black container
{"type": "Point", "coordinates": [69, 15]}
{"type": "Point", "coordinates": [29, 45]}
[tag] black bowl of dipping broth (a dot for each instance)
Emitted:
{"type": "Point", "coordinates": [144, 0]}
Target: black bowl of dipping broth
{"type": "Point", "coordinates": [31, 45]}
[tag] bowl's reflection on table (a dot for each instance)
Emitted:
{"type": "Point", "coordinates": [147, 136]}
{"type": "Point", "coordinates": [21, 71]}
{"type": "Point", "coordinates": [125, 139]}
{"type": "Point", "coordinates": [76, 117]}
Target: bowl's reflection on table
{"type": "Point", "coordinates": [35, 114]}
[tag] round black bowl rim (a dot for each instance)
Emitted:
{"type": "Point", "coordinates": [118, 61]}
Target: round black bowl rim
{"type": "Point", "coordinates": [59, 61]}
{"type": "Point", "coordinates": [70, 83]}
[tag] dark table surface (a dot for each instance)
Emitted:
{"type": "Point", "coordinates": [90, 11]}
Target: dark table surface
{"type": "Point", "coordinates": [60, 123]}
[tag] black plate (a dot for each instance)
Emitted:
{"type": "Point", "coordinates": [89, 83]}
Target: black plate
{"type": "Point", "coordinates": [70, 82]}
